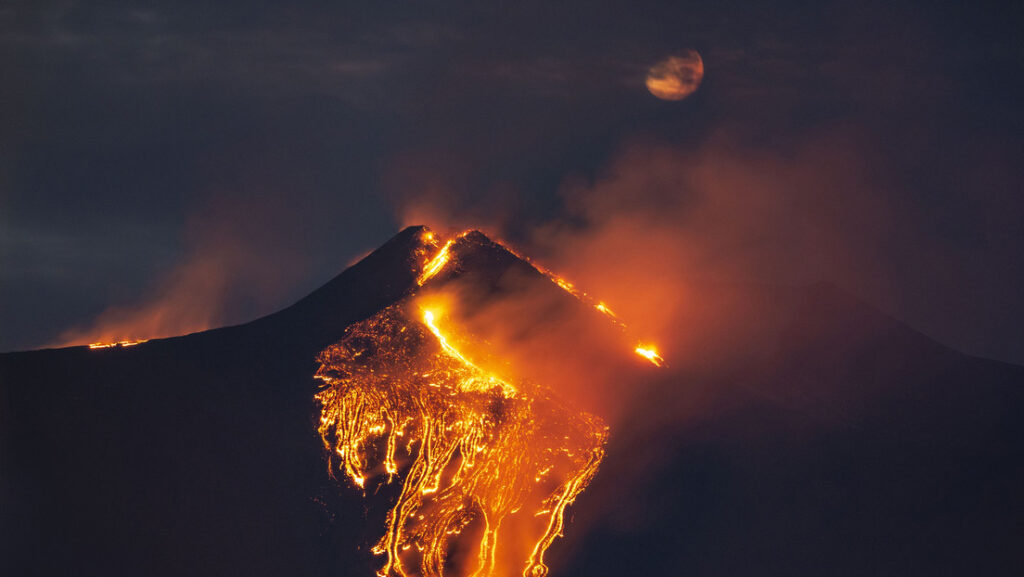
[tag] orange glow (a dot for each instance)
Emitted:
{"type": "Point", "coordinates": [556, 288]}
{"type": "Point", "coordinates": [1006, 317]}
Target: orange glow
{"type": "Point", "coordinates": [568, 286]}
{"type": "Point", "coordinates": [443, 257]}
{"type": "Point", "coordinates": [116, 344]}
{"type": "Point", "coordinates": [572, 289]}
{"type": "Point", "coordinates": [428, 319]}
{"type": "Point", "coordinates": [435, 264]}
{"type": "Point", "coordinates": [486, 383]}
{"type": "Point", "coordinates": [650, 353]}
{"type": "Point", "coordinates": [676, 77]}
{"type": "Point", "coordinates": [480, 458]}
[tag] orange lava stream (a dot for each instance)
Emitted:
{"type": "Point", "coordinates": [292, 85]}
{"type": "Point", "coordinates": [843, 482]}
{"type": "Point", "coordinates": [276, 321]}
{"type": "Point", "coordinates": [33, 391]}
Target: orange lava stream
{"type": "Point", "coordinates": [478, 384]}
{"type": "Point", "coordinates": [116, 344]}
{"type": "Point", "coordinates": [478, 457]}
{"type": "Point", "coordinates": [476, 453]}
{"type": "Point", "coordinates": [650, 353]}
{"type": "Point", "coordinates": [435, 264]}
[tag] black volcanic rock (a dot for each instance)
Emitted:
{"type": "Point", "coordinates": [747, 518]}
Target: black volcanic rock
{"type": "Point", "coordinates": [810, 434]}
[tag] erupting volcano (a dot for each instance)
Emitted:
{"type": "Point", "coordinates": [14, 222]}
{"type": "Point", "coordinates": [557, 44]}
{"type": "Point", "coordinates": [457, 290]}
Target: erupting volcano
{"type": "Point", "coordinates": [446, 407]}
{"type": "Point", "coordinates": [479, 455]}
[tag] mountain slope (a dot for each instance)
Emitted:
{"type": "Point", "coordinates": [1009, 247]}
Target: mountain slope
{"type": "Point", "coordinates": [800, 431]}
{"type": "Point", "coordinates": [835, 440]}
{"type": "Point", "coordinates": [190, 455]}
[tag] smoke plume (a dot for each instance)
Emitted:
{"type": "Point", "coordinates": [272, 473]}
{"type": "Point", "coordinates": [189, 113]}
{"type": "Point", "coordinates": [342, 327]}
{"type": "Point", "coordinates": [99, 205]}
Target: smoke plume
{"type": "Point", "coordinates": [231, 246]}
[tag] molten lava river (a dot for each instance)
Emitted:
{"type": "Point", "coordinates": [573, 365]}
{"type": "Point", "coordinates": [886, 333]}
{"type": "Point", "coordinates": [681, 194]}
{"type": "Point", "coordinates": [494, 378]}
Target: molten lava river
{"type": "Point", "coordinates": [486, 466]}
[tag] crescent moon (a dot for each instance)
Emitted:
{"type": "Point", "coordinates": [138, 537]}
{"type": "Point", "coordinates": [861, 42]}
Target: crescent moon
{"type": "Point", "coordinates": [677, 76]}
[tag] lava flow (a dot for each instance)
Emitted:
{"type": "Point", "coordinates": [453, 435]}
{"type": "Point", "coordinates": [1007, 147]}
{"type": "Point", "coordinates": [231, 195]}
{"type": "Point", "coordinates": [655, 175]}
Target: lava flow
{"type": "Point", "coordinates": [116, 344]}
{"type": "Point", "coordinates": [484, 453]}
{"type": "Point", "coordinates": [482, 459]}
{"type": "Point", "coordinates": [646, 351]}
{"type": "Point", "coordinates": [650, 353]}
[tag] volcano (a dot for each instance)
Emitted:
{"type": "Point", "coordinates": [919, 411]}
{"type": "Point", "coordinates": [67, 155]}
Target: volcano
{"type": "Point", "coordinates": [803, 432]}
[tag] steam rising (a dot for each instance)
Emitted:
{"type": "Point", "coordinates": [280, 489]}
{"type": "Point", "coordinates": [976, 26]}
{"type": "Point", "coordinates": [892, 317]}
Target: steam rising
{"type": "Point", "coordinates": [658, 218]}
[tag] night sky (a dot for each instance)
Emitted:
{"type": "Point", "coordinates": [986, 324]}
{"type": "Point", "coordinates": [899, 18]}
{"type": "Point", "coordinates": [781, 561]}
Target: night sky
{"type": "Point", "coordinates": [230, 157]}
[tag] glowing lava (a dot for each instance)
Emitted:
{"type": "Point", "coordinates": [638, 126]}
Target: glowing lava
{"type": "Point", "coordinates": [116, 344]}
{"type": "Point", "coordinates": [478, 453]}
{"type": "Point", "coordinates": [478, 384]}
{"type": "Point", "coordinates": [478, 456]}
{"type": "Point", "coordinates": [435, 264]}
{"type": "Point", "coordinates": [650, 353]}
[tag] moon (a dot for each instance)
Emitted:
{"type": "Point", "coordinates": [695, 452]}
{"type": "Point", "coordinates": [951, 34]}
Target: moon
{"type": "Point", "coordinates": [677, 76]}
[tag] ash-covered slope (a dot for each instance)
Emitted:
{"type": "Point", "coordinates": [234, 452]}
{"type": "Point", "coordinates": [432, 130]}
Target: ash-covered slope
{"type": "Point", "coordinates": [803, 433]}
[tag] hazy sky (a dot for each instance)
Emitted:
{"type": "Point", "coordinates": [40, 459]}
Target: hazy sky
{"type": "Point", "coordinates": [229, 157]}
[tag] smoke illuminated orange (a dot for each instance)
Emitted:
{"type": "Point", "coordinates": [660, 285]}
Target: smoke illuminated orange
{"type": "Point", "coordinates": [479, 457]}
{"type": "Point", "coordinates": [483, 453]}
{"type": "Point", "coordinates": [646, 352]}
